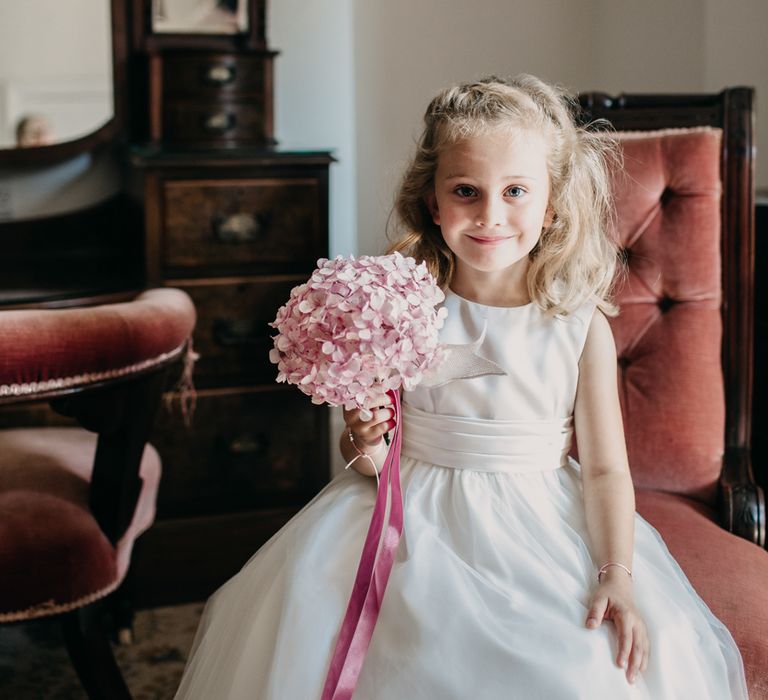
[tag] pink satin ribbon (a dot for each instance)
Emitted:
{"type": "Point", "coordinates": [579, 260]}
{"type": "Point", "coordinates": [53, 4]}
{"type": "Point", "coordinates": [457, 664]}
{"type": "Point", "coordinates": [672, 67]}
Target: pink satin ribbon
{"type": "Point", "coordinates": [372, 575]}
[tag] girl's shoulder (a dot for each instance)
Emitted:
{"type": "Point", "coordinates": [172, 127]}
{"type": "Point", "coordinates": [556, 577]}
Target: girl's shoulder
{"type": "Point", "coordinates": [574, 326]}
{"type": "Point", "coordinates": [585, 311]}
{"type": "Point", "coordinates": [582, 314]}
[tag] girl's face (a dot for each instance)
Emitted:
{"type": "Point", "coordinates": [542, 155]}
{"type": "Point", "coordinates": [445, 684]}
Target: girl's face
{"type": "Point", "coordinates": [491, 201]}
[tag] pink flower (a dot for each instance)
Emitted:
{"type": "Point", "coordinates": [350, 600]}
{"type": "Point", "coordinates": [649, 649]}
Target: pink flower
{"type": "Point", "coordinates": [358, 327]}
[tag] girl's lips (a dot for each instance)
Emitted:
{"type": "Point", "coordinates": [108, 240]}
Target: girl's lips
{"type": "Point", "coordinates": [490, 241]}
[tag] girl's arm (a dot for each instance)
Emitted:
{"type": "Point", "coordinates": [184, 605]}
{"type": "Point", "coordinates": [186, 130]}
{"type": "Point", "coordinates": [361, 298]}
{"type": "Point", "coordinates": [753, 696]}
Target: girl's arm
{"type": "Point", "coordinates": [609, 499]}
{"type": "Point", "coordinates": [368, 436]}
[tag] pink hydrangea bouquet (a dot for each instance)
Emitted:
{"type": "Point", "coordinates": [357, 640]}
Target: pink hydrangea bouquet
{"type": "Point", "coordinates": [359, 325]}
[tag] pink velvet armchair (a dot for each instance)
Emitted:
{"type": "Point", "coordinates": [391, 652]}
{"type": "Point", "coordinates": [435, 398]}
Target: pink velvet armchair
{"type": "Point", "coordinates": [72, 502]}
{"type": "Point", "coordinates": [685, 223]}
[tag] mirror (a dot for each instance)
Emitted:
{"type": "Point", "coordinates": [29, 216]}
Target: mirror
{"type": "Point", "coordinates": [218, 25]}
{"type": "Point", "coordinates": [56, 72]}
{"type": "Point", "coordinates": [199, 16]}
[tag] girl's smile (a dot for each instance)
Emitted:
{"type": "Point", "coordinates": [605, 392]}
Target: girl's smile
{"type": "Point", "coordinates": [495, 240]}
{"type": "Point", "coordinates": [491, 203]}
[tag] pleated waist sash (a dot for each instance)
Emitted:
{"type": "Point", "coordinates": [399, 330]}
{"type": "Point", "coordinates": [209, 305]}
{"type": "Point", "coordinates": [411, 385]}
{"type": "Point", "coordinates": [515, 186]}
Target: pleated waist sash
{"type": "Point", "coordinates": [486, 445]}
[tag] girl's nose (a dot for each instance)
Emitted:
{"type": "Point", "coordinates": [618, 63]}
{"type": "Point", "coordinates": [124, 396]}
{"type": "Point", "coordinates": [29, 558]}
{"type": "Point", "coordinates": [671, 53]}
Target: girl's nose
{"type": "Point", "coordinates": [490, 213]}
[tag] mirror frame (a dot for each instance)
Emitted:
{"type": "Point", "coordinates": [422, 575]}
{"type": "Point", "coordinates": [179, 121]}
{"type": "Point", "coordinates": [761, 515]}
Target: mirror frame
{"type": "Point", "coordinates": [112, 129]}
{"type": "Point", "coordinates": [145, 40]}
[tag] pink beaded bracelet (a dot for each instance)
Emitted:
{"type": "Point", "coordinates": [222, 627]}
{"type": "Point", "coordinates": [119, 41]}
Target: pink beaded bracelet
{"type": "Point", "coordinates": [612, 563]}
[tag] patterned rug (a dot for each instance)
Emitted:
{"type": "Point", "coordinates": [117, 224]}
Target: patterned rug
{"type": "Point", "coordinates": [34, 664]}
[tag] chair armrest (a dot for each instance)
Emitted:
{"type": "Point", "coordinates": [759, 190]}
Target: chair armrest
{"type": "Point", "coordinates": [105, 366]}
{"type": "Point", "coordinates": [46, 353]}
{"type": "Point", "coordinates": [741, 500]}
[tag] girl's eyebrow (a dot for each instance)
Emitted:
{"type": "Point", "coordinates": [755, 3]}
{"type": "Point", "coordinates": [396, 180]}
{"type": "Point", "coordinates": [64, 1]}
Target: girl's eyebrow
{"type": "Point", "coordinates": [458, 176]}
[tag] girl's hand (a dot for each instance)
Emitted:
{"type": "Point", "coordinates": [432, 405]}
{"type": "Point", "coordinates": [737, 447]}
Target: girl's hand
{"type": "Point", "coordinates": [613, 600]}
{"type": "Point", "coordinates": [369, 426]}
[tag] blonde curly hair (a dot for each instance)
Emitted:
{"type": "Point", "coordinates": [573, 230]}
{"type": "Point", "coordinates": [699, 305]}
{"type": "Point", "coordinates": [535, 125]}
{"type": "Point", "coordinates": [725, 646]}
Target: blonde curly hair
{"type": "Point", "coordinates": [575, 259]}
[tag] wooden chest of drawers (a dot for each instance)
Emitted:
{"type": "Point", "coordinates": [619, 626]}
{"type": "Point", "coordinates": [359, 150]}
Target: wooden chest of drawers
{"type": "Point", "coordinates": [236, 224]}
{"type": "Point", "coordinates": [208, 99]}
{"type": "Point", "coordinates": [236, 231]}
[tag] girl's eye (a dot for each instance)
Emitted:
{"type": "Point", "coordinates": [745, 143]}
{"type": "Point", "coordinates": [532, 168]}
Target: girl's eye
{"type": "Point", "coordinates": [515, 191]}
{"type": "Point", "coordinates": [465, 191]}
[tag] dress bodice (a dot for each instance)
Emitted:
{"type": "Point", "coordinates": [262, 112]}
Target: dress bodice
{"type": "Point", "coordinates": [539, 354]}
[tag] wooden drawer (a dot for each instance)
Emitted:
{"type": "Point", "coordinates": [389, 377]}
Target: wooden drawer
{"type": "Point", "coordinates": [211, 125]}
{"type": "Point", "coordinates": [210, 75]}
{"type": "Point", "coordinates": [243, 450]}
{"type": "Point", "coordinates": [249, 225]}
{"type": "Point", "coordinates": [165, 566]}
{"type": "Point", "coordinates": [209, 99]}
{"type": "Point", "coordinates": [232, 335]}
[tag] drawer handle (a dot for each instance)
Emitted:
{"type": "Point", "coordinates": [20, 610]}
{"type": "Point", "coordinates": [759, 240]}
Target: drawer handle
{"type": "Point", "coordinates": [240, 227]}
{"type": "Point", "coordinates": [249, 444]}
{"type": "Point", "coordinates": [231, 332]}
{"type": "Point", "coordinates": [219, 74]}
{"type": "Point", "coordinates": [219, 123]}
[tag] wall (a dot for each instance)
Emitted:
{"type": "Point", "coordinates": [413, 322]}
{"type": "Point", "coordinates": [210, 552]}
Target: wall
{"type": "Point", "coordinates": [653, 46]}
{"type": "Point", "coordinates": [736, 53]}
{"type": "Point", "coordinates": [314, 96]}
{"type": "Point", "coordinates": [405, 52]}
{"type": "Point", "coordinates": [684, 46]}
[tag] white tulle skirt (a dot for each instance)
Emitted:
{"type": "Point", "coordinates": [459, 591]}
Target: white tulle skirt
{"type": "Point", "coordinates": [487, 600]}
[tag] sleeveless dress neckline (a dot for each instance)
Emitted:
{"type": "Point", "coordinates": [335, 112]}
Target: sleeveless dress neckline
{"type": "Point", "coordinates": [488, 307]}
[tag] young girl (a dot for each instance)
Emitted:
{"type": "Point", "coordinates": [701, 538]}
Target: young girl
{"type": "Point", "coordinates": [520, 573]}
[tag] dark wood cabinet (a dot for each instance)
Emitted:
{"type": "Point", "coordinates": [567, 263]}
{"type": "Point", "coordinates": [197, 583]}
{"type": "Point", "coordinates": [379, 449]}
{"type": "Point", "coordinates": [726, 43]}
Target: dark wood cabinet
{"type": "Point", "coordinates": [238, 223]}
{"type": "Point", "coordinates": [235, 222]}
{"type": "Point", "coordinates": [249, 448]}
{"type": "Point", "coordinates": [236, 231]}
{"type": "Point", "coordinates": [211, 99]}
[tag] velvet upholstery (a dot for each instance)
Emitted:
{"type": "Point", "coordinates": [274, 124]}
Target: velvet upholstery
{"type": "Point", "coordinates": [728, 572]}
{"type": "Point", "coordinates": [52, 551]}
{"type": "Point", "coordinates": [669, 331]}
{"type": "Point", "coordinates": [669, 340]}
{"type": "Point", "coordinates": [44, 345]}
{"type": "Point", "coordinates": [74, 500]}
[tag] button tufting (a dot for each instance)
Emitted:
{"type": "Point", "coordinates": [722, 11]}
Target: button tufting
{"type": "Point", "coordinates": [666, 195]}
{"type": "Point", "coordinates": [623, 362]}
{"type": "Point", "coordinates": [665, 304]}
{"type": "Point", "coordinates": [624, 255]}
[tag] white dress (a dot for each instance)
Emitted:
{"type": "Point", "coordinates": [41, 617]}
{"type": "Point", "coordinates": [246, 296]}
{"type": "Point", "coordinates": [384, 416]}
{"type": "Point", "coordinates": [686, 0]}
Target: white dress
{"type": "Point", "coordinates": [488, 595]}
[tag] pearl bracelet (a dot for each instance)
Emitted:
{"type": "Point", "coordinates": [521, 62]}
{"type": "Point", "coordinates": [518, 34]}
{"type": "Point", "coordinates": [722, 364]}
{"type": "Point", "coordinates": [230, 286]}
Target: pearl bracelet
{"type": "Point", "coordinates": [365, 455]}
{"type": "Point", "coordinates": [612, 563]}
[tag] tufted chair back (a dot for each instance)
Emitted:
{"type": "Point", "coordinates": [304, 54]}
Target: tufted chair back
{"type": "Point", "coordinates": [669, 331]}
{"type": "Point", "coordinates": [684, 221]}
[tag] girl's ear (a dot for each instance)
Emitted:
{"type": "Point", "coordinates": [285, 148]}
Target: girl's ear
{"type": "Point", "coordinates": [549, 217]}
{"type": "Point", "coordinates": [431, 202]}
